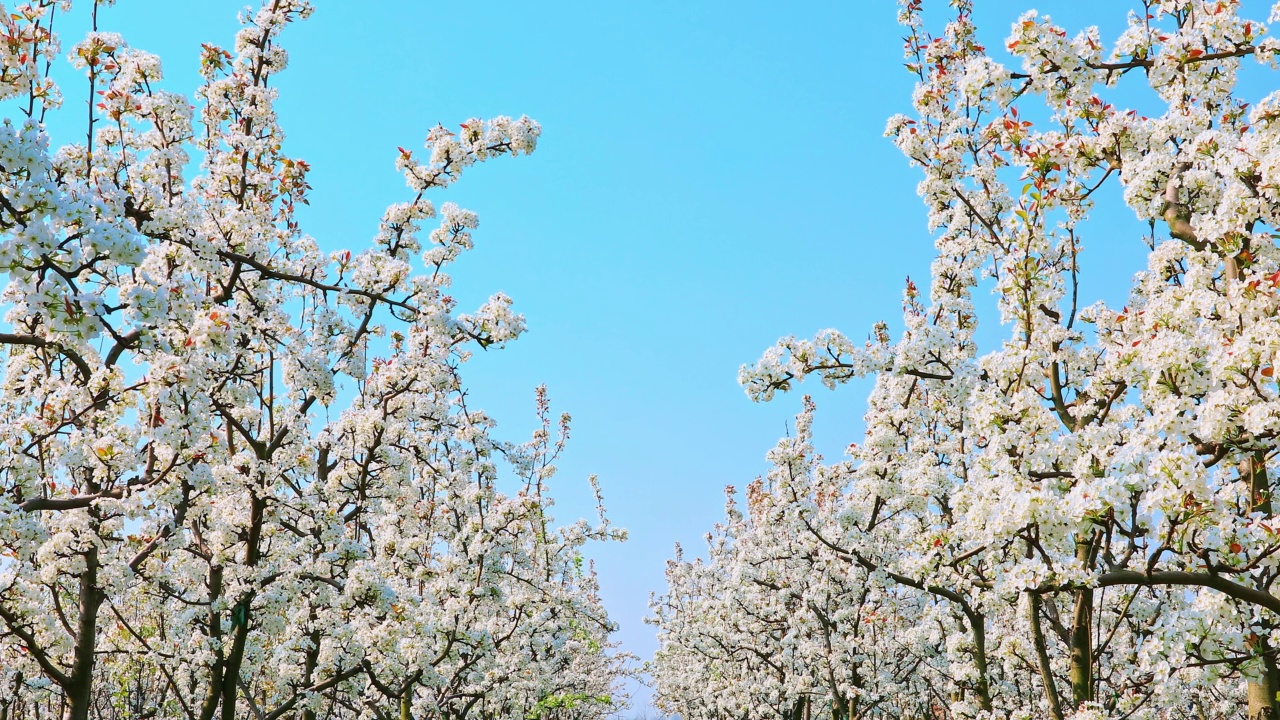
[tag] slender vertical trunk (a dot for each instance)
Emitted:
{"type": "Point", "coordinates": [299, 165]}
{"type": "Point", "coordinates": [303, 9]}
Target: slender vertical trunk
{"type": "Point", "coordinates": [797, 710]}
{"type": "Point", "coordinates": [1042, 657]}
{"type": "Point", "coordinates": [981, 687]}
{"type": "Point", "coordinates": [240, 614]}
{"type": "Point", "coordinates": [231, 670]}
{"type": "Point", "coordinates": [1262, 689]}
{"type": "Point", "coordinates": [1082, 648]}
{"type": "Point", "coordinates": [1081, 637]}
{"type": "Point", "coordinates": [406, 702]}
{"type": "Point", "coordinates": [210, 703]}
{"type": "Point", "coordinates": [309, 665]}
{"type": "Point", "coordinates": [839, 706]}
{"type": "Point", "coordinates": [79, 691]}
{"type": "Point", "coordinates": [17, 683]}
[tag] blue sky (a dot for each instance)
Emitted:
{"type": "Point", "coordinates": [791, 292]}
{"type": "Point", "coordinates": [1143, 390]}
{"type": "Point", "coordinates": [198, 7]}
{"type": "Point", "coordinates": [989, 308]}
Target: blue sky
{"type": "Point", "coordinates": [712, 175]}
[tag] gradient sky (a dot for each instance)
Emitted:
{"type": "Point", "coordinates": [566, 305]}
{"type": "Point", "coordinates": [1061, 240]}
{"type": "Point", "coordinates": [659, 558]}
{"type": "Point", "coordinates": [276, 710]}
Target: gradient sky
{"type": "Point", "coordinates": [712, 175]}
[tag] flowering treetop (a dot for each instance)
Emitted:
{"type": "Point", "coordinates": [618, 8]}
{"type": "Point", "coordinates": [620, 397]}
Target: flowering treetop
{"type": "Point", "coordinates": [1084, 513]}
{"type": "Point", "coordinates": [239, 476]}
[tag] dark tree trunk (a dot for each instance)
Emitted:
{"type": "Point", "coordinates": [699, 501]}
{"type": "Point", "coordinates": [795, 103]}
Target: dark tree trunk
{"type": "Point", "coordinates": [79, 691]}
{"type": "Point", "coordinates": [1263, 688]}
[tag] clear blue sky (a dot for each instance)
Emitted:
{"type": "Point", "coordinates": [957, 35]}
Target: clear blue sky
{"type": "Point", "coordinates": [712, 175]}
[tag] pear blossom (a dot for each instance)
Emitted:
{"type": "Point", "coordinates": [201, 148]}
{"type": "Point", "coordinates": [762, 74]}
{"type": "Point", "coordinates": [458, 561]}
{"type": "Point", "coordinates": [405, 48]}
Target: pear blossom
{"type": "Point", "coordinates": [239, 476]}
{"type": "Point", "coordinates": [1078, 521]}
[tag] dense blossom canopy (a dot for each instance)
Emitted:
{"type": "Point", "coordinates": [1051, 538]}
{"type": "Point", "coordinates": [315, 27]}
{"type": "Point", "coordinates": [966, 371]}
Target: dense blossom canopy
{"type": "Point", "coordinates": [239, 476]}
{"type": "Point", "coordinates": [1079, 522]}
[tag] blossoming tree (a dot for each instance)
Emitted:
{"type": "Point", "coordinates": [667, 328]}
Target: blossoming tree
{"type": "Point", "coordinates": [1078, 522]}
{"type": "Point", "coordinates": [239, 477]}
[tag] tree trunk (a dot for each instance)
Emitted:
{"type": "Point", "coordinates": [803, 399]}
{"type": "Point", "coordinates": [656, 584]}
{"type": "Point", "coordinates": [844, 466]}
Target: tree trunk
{"type": "Point", "coordinates": [839, 706]}
{"type": "Point", "coordinates": [231, 670]}
{"type": "Point", "coordinates": [209, 705]}
{"type": "Point", "coordinates": [79, 691]}
{"type": "Point", "coordinates": [1042, 657]}
{"type": "Point", "coordinates": [406, 702]}
{"type": "Point", "coordinates": [1082, 648]}
{"type": "Point", "coordinates": [240, 619]}
{"type": "Point", "coordinates": [17, 683]}
{"type": "Point", "coordinates": [309, 665]}
{"type": "Point", "coordinates": [1262, 689]}
{"type": "Point", "coordinates": [978, 623]}
{"type": "Point", "coordinates": [1081, 670]}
